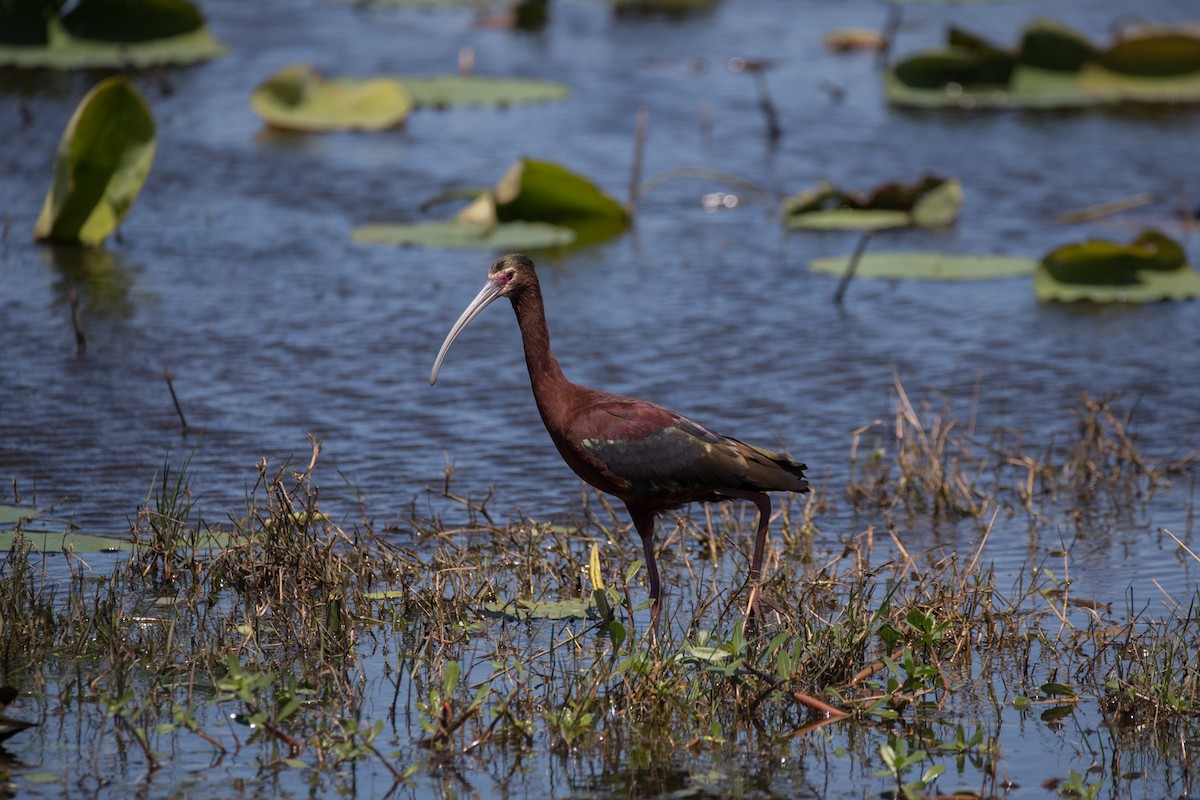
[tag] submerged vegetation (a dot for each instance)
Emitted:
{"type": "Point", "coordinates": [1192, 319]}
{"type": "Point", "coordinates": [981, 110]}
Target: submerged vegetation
{"type": "Point", "coordinates": [287, 641]}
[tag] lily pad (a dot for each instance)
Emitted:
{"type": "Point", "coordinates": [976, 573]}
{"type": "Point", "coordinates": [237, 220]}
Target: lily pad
{"type": "Point", "coordinates": [543, 191]}
{"type": "Point", "coordinates": [299, 98]}
{"type": "Point", "coordinates": [442, 91]}
{"type": "Point", "coordinates": [1149, 269]}
{"type": "Point", "coordinates": [1049, 45]}
{"type": "Point", "coordinates": [928, 266]}
{"type": "Point", "coordinates": [1154, 53]}
{"type": "Point", "coordinates": [445, 5]}
{"type": "Point", "coordinates": [463, 234]}
{"type": "Point", "coordinates": [850, 219]}
{"type": "Point", "coordinates": [58, 541]}
{"type": "Point", "coordinates": [535, 204]}
{"type": "Point", "coordinates": [9, 515]}
{"type": "Point", "coordinates": [103, 159]}
{"type": "Point", "coordinates": [542, 609]}
{"type": "Point", "coordinates": [929, 202]}
{"type": "Point", "coordinates": [1096, 80]}
{"type": "Point", "coordinates": [131, 21]}
{"type": "Point", "coordinates": [92, 34]}
{"type": "Point", "coordinates": [1054, 67]}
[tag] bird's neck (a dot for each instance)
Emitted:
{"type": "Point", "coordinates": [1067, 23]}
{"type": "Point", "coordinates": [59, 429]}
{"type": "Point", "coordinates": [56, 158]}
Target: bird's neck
{"type": "Point", "coordinates": [544, 373]}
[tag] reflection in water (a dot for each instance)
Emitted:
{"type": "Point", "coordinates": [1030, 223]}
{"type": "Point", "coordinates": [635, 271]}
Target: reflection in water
{"type": "Point", "coordinates": [99, 277]}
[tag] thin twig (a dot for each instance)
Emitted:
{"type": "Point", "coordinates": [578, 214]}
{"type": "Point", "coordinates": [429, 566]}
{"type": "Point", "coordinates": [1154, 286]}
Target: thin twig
{"type": "Point", "coordinates": [174, 398]}
{"type": "Point", "coordinates": [859, 249]}
{"type": "Point", "coordinates": [1105, 209]}
{"type": "Point", "coordinates": [774, 131]}
{"type": "Point", "coordinates": [639, 149]}
{"type": "Point", "coordinates": [77, 321]}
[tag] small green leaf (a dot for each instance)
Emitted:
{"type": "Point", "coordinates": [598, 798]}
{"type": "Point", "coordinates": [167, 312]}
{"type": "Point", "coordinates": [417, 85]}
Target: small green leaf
{"type": "Point", "coordinates": [1021, 702]}
{"type": "Point", "coordinates": [103, 159]}
{"type": "Point", "coordinates": [450, 678]}
{"type": "Point", "coordinates": [1058, 690]}
{"type": "Point", "coordinates": [40, 777]}
{"type": "Point", "coordinates": [299, 98]}
{"type": "Point", "coordinates": [616, 634]}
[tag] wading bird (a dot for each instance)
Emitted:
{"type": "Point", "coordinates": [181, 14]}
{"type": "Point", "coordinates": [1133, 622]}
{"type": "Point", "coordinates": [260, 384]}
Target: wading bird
{"type": "Point", "coordinates": [651, 458]}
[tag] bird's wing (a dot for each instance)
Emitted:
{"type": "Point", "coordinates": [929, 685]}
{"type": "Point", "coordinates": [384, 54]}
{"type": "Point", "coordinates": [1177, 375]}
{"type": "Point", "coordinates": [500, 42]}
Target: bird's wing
{"type": "Point", "coordinates": [657, 450]}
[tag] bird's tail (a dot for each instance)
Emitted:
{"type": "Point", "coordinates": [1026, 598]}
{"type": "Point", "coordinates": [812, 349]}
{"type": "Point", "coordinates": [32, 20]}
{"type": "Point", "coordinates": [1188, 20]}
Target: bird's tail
{"type": "Point", "coordinates": [770, 471]}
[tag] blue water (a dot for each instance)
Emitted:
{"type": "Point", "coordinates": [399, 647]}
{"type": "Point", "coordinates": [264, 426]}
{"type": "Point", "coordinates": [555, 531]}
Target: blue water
{"type": "Point", "coordinates": [235, 270]}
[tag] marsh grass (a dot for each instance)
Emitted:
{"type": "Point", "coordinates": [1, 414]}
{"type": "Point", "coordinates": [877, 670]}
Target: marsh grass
{"type": "Point", "coordinates": [284, 640]}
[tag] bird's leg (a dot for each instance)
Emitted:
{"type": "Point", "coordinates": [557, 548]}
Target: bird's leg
{"type": "Point", "coordinates": [643, 521]}
{"type": "Point", "coordinates": [763, 501]}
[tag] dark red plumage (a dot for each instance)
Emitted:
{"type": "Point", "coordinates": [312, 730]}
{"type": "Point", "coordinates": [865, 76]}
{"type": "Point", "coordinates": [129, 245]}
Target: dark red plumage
{"type": "Point", "coordinates": [651, 458]}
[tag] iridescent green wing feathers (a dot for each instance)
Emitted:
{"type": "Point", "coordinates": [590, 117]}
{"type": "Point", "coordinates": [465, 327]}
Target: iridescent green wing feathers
{"type": "Point", "coordinates": [655, 450]}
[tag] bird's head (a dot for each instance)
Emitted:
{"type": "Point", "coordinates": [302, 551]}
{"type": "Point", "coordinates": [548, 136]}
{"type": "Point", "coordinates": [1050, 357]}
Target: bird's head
{"type": "Point", "coordinates": [509, 277]}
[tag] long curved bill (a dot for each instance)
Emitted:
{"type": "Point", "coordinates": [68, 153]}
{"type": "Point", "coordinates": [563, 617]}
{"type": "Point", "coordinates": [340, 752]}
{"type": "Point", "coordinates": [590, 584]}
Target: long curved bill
{"type": "Point", "coordinates": [490, 292]}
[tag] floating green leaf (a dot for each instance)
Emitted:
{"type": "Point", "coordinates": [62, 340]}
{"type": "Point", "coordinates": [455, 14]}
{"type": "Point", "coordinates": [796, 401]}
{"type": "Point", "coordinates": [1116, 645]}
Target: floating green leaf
{"type": "Point", "coordinates": [1154, 53]}
{"type": "Point", "coordinates": [48, 535]}
{"type": "Point", "coordinates": [1096, 80]}
{"type": "Point", "coordinates": [929, 202]}
{"type": "Point", "coordinates": [542, 609]}
{"type": "Point", "coordinates": [966, 60]}
{"type": "Point", "coordinates": [57, 542]}
{"type": "Point", "coordinates": [1151, 268]}
{"type": "Point", "coordinates": [850, 218]}
{"type": "Point", "coordinates": [130, 21]}
{"type": "Point", "coordinates": [546, 192]}
{"type": "Point", "coordinates": [535, 204]}
{"type": "Point", "coordinates": [463, 234]}
{"type": "Point", "coordinates": [1053, 67]}
{"type": "Point", "coordinates": [441, 91]}
{"type": "Point", "coordinates": [299, 98]}
{"type": "Point", "coordinates": [24, 23]}
{"type": "Point", "coordinates": [13, 514]}
{"type": "Point", "coordinates": [447, 5]}
{"type": "Point", "coordinates": [116, 34]}
{"type": "Point", "coordinates": [103, 159]}
{"type": "Point", "coordinates": [928, 266]}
